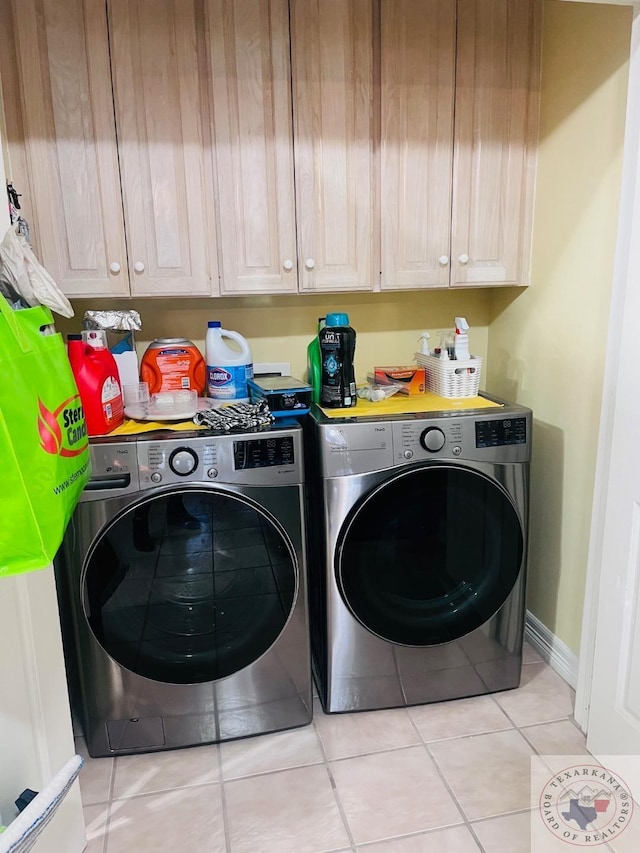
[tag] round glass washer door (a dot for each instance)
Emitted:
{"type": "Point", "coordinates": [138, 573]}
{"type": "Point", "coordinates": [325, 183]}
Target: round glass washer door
{"type": "Point", "coordinates": [189, 587]}
{"type": "Point", "coordinates": [430, 555]}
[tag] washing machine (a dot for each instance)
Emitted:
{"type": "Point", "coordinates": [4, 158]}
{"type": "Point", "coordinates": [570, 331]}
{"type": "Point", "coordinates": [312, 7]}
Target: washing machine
{"type": "Point", "coordinates": [417, 585]}
{"type": "Point", "coordinates": [182, 590]}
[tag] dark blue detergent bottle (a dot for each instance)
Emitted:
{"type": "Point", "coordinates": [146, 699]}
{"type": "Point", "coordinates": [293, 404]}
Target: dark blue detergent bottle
{"type": "Point", "coordinates": [337, 350]}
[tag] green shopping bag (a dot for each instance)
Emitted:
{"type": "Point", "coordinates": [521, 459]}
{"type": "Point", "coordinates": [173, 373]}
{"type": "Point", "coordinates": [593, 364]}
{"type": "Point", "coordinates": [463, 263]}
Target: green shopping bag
{"type": "Point", "coordinates": [44, 449]}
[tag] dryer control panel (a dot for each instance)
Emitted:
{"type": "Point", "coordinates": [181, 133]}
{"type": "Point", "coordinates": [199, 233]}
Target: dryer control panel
{"type": "Point", "coordinates": [493, 435]}
{"type": "Point", "coordinates": [494, 438]}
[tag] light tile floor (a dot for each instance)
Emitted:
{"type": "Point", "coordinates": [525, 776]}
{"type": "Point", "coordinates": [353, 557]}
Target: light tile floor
{"type": "Point", "coordinates": [447, 778]}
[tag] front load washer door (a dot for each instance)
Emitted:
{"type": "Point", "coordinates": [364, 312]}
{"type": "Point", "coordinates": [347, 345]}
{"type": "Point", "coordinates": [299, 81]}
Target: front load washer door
{"type": "Point", "coordinates": [189, 587]}
{"type": "Point", "coordinates": [429, 555]}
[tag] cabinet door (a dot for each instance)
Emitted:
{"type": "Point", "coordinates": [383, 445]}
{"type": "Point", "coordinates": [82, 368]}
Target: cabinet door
{"type": "Point", "coordinates": [332, 56]}
{"type": "Point", "coordinates": [161, 101]}
{"type": "Point", "coordinates": [417, 95]}
{"type": "Point", "coordinates": [497, 93]}
{"type": "Point", "coordinates": [253, 145]}
{"type": "Point", "coordinates": [62, 52]}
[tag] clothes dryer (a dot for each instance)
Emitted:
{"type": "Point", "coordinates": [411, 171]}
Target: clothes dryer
{"type": "Point", "coordinates": [182, 586]}
{"type": "Point", "coordinates": [417, 583]}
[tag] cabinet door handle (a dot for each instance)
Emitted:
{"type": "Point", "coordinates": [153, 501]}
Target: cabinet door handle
{"type": "Point", "coordinates": [309, 263]}
{"type": "Point", "coordinates": [463, 259]}
{"type": "Point", "coordinates": [443, 260]}
{"type": "Point", "coordinates": [114, 267]}
{"type": "Point", "coordinates": [288, 265]}
{"type": "Point", "coordinates": [138, 266]}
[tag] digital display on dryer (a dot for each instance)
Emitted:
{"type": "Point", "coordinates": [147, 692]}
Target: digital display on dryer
{"type": "Point", "coordinates": [263, 452]}
{"type": "Point", "coordinates": [501, 433]}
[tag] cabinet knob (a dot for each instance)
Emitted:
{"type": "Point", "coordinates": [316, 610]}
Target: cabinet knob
{"type": "Point", "coordinates": [114, 267]}
{"type": "Point", "coordinates": [463, 259]}
{"type": "Point", "coordinates": [288, 265]}
{"type": "Point", "coordinates": [309, 263]}
{"type": "Point", "coordinates": [138, 266]}
{"type": "Point", "coordinates": [443, 260]}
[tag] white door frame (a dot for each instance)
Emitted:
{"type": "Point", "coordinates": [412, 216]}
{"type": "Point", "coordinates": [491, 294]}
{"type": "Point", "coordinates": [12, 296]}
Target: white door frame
{"type": "Point", "coordinates": [626, 274]}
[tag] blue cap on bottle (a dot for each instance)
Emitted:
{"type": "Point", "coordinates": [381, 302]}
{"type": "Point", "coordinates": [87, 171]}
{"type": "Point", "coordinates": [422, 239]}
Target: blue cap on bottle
{"type": "Point", "coordinates": [337, 319]}
{"type": "Point", "coordinates": [214, 324]}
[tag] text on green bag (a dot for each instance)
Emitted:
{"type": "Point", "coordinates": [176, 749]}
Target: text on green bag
{"type": "Point", "coordinates": [63, 432]}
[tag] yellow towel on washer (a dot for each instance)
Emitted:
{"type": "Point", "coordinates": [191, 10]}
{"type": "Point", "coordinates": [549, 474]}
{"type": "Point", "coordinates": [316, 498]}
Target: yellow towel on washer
{"type": "Point", "coordinates": [131, 427]}
{"type": "Point", "coordinates": [401, 404]}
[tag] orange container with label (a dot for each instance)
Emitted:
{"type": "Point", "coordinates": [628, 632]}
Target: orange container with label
{"type": "Point", "coordinates": [173, 364]}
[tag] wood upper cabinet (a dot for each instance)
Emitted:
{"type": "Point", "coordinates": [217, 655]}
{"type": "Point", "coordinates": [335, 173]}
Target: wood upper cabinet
{"type": "Point", "coordinates": [65, 111]}
{"type": "Point", "coordinates": [253, 145]}
{"type": "Point", "coordinates": [459, 107]}
{"type": "Point", "coordinates": [416, 152]}
{"type": "Point", "coordinates": [161, 103]}
{"type": "Point", "coordinates": [261, 124]}
{"type": "Point", "coordinates": [497, 96]}
{"type": "Point", "coordinates": [332, 59]}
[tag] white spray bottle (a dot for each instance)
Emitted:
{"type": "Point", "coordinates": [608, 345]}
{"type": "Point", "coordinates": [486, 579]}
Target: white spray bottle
{"type": "Point", "coordinates": [461, 340]}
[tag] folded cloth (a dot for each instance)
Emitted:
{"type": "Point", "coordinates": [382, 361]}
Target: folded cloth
{"type": "Point", "coordinates": [236, 416]}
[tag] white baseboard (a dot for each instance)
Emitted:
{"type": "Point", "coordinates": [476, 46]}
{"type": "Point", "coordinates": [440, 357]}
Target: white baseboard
{"type": "Point", "coordinates": [556, 653]}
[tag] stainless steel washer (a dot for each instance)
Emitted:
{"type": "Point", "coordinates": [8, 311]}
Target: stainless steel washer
{"type": "Point", "coordinates": [417, 582]}
{"type": "Point", "coordinates": [182, 586]}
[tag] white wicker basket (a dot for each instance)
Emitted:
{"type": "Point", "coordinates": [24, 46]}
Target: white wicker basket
{"type": "Point", "coordinates": [450, 377]}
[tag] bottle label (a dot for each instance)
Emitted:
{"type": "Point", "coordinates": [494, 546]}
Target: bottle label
{"type": "Point", "coordinates": [228, 383]}
{"type": "Point", "coordinates": [337, 389]}
{"type": "Point", "coordinates": [111, 400]}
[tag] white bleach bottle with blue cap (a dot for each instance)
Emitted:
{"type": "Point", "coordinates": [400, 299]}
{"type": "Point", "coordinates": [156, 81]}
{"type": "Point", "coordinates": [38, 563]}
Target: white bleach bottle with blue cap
{"type": "Point", "coordinates": [229, 364]}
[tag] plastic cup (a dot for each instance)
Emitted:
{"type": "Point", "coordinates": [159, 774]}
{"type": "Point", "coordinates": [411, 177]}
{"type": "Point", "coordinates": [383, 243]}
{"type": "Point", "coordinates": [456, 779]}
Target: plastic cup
{"type": "Point", "coordinates": [136, 395]}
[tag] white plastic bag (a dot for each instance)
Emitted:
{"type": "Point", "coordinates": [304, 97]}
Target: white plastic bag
{"type": "Point", "coordinates": [24, 272]}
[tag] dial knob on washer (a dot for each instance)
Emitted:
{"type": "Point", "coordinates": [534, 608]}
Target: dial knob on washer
{"type": "Point", "coordinates": [432, 439]}
{"type": "Point", "coordinates": [183, 461]}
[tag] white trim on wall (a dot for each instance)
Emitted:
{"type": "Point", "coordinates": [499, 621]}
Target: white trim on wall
{"type": "Point", "coordinates": [551, 649]}
{"type": "Point", "coordinates": [631, 161]}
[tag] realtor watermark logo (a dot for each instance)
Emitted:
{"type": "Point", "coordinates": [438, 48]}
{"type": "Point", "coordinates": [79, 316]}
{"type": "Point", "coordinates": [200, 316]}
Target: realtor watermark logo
{"type": "Point", "coordinates": [583, 804]}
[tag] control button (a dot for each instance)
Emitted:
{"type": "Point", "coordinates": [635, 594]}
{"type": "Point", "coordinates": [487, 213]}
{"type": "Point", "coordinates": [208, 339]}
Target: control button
{"type": "Point", "coordinates": [183, 461]}
{"type": "Point", "coordinates": [408, 454]}
{"type": "Point", "coordinates": [156, 477]}
{"type": "Point", "coordinates": [457, 450]}
{"type": "Point", "coordinates": [432, 439]}
{"type": "Point", "coordinates": [212, 473]}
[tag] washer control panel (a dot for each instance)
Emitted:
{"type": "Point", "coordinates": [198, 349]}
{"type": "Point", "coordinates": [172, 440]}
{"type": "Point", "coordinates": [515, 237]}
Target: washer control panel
{"type": "Point", "coordinates": [245, 459]}
{"type": "Point", "coordinates": [269, 452]}
{"type": "Point", "coordinates": [114, 470]}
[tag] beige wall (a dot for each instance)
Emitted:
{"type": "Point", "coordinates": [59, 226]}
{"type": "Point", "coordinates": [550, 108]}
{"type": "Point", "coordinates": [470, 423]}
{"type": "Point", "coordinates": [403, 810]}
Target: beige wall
{"type": "Point", "coordinates": [546, 345]}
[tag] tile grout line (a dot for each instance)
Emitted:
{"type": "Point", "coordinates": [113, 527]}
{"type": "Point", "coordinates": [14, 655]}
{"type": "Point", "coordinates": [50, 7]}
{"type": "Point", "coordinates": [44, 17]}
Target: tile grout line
{"type": "Point", "coordinates": [448, 787]}
{"type": "Point", "coordinates": [223, 797]}
{"type": "Point", "coordinates": [112, 782]}
{"type": "Point", "coordinates": [326, 762]}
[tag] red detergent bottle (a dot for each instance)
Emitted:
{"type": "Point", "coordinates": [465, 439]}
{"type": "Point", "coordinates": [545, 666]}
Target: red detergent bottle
{"type": "Point", "coordinates": [96, 375]}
